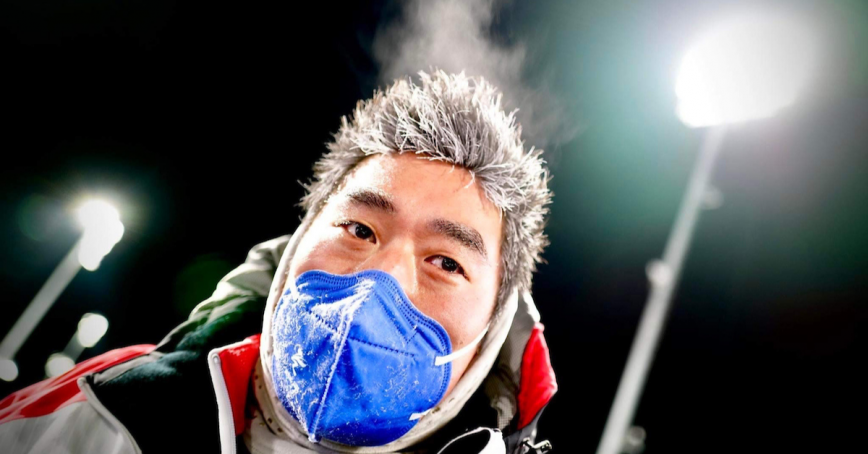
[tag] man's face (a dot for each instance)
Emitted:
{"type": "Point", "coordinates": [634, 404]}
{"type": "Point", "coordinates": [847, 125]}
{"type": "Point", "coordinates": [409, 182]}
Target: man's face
{"type": "Point", "coordinates": [426, 223]}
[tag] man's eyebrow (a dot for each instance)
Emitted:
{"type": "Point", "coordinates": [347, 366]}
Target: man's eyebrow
{"type": "Point", "coordinates": [466, 236]}
{"type": "Point", "coordinates": [372, 199]}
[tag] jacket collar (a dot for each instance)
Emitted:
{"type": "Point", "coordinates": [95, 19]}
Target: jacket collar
{"type": "Point", "coordinates": [232, 367]}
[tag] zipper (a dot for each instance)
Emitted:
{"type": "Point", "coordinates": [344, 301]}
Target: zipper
{"type": "Point", "coordinates": [539, 448]}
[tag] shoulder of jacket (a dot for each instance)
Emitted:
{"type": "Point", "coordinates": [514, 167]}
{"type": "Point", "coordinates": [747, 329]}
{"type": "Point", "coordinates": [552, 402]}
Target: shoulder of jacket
{"type": "Point", "coordinates": [53, 394]}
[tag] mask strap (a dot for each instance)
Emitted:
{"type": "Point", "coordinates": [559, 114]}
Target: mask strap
{"type": "Point", "coordinates": [441, 360]}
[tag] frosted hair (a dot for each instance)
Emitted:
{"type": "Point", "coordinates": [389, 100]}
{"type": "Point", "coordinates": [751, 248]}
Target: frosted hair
{"type": "Point", "coordinates": [456, 119]}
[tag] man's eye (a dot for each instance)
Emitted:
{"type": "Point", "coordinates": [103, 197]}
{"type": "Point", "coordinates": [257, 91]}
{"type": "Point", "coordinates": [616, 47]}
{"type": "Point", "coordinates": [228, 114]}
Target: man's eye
{"type": "Point", "coordinates": [446, 264]}
{"type": "Point", "coordinates": [360, 231]}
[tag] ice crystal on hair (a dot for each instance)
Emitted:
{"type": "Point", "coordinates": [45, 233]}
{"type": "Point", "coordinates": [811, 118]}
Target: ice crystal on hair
{"type": "Point", "coordinates": [460, 120]}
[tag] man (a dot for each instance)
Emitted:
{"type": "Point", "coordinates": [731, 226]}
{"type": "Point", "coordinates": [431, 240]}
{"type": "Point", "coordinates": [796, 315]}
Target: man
{"type": "Point", "coordinates": [396, 318]}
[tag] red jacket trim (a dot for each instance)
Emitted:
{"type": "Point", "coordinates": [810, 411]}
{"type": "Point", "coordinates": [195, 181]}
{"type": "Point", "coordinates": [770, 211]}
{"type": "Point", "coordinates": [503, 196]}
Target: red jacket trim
{"type": "Point", "coordinates": [538, 383]}
{"type": "Point", "coordinates": [537, 386]}
{"type": "Point", "coordinates": [55, 393]}
{"type": "Point", "coordinates": [237, 363]}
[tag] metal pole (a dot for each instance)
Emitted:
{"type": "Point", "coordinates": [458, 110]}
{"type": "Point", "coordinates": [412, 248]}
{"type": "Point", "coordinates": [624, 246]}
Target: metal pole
{"type": "Point", "coordinates": [663, 276]}
{"type": "Point", "coordinates": [73, 348]}
{"type": "Point", "coordinates": [44, 299]}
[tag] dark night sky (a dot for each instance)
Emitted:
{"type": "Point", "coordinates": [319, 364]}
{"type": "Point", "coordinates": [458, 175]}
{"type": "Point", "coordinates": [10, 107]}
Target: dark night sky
{"type": "Point", "coordinates": [201, 118]}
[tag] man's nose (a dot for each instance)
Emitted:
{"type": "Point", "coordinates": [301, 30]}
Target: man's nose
{"type": "Point", "coordinates": [398, 259]}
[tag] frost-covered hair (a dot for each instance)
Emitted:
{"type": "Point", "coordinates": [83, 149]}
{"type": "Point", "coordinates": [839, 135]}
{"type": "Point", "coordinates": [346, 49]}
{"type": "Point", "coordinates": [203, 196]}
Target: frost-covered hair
{"type": "Point", "coordinates": [456, 119]}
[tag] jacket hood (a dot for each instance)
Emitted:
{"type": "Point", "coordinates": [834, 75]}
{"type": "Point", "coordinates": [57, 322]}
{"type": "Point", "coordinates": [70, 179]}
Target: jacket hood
{"type": "Point", "coordinates": [497, 370]}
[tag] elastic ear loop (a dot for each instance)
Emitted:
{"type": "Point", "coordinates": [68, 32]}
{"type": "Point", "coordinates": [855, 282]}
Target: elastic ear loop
{"type": "Point", "coordinates": [441, 360]}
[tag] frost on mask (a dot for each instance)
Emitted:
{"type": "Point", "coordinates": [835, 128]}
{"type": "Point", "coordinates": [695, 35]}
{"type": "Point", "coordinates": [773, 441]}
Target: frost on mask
{"type": "Point", "coordinates": [354, 359]}
{"type": "Point", "coordinates": [306, 317]}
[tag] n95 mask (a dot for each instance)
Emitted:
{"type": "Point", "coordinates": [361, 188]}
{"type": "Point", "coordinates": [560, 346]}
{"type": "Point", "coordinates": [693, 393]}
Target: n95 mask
{"type": "Point", "coordinates": [354, 361]}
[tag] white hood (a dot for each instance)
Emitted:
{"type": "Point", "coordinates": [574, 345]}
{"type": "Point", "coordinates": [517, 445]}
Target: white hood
{"type": "Point", "coordinates": [496, 367]}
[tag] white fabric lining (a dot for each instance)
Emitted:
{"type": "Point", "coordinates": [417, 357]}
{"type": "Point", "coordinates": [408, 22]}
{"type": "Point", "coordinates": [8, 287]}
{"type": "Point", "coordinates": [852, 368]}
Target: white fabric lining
{"type": "Point", "coordinates": [225, 418]}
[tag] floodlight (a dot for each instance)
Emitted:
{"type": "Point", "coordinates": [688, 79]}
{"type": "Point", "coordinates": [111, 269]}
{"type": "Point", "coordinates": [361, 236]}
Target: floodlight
{"type": "Point", "coordinates": [8, 369]}
{"type": "Point", "coordinates": [58, 364]}
{"type": "Point", "coordinates": [91, 329]}
{"type": "Point", "coordinates": [745, 67]}
{"type": "Point", "coordinates": [102, 230]}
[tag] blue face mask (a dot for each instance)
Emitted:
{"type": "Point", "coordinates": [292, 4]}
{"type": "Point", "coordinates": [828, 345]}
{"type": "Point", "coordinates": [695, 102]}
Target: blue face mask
{"type": "Point", "coordinates": [354, 361]}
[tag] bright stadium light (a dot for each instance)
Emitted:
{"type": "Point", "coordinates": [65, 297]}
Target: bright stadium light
{"type": "Point", "coordinates": [8, 369]}
{"type": "Point", "coordinates": [58, 364]}
{"type": "Point", "coordinates": [91, 328]}
{"type": "Point", "coordinates": [102, 230]}
{"type": "Point", "coordinates": [746, 67]}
